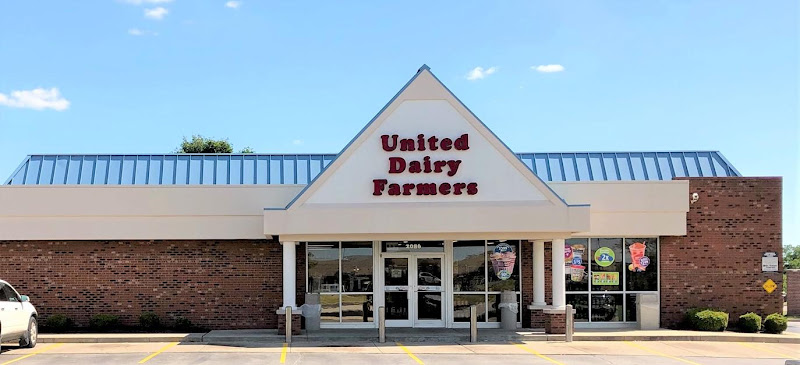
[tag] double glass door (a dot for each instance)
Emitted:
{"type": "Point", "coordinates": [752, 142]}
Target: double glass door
{"type": "Point", "coordinates": [414, 290]}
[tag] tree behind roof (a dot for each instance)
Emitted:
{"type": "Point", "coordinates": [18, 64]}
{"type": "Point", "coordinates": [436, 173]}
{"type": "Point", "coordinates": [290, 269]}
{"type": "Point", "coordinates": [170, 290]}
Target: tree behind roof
{"type": "Point", "coordinates": [200, 144]}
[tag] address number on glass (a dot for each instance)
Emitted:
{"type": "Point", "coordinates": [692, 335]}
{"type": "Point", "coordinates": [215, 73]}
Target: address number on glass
{"type": "Point", "coordinates": [413, 246]}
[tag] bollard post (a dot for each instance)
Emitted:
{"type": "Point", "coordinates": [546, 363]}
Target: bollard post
{"type": "Point", "coordinates": [382, 324]}
{"type": "Point", "coordinates": [288, 324]}
{"type": "Point", "coordinates": [473, 324]}
{"type": "Point", "coordinates": [569, 323]}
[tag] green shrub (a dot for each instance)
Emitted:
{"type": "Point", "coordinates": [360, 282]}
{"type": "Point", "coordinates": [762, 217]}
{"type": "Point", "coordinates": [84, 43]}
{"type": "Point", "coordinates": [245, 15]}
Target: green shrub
{"type": "Point", "coordinates": [58, 323]}
{"type": "Point", "coordinates": [183, 324]}
{"type": "Point", "coordinates": [750, 323]}
{"type": "Point", "coordinates": [103, 322]}
{"type": "Point", "coordinates": [690, 321]}
{"type": "Point", "coordinates": [709, 320]}
{"type": "Point", "coordinates": [775, 323]}
{"type": "Point", "coordinates": [149, 321]}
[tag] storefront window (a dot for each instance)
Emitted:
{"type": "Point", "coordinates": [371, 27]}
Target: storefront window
{"type": "Point", "coordinates": [469, 266]}
{"type": "Point", "coordinates": [616, 270]}
{"type": "Point", "coordinates": [606, 264]}
{"type": "Point", "coordinates": [503, 264]}
{"type": "Point", "coordinates": [576, 261]}
{"type": "Point", "coordinates": [606, 307]}
{"type": "Point", "coordinates": [323, 267]}
{"type": "Point", "coordinates": [641, 263]}
{"type": "Point", "coordinates": [357, 267]}
{"type": "Point", "coordinates": [630, 307]}
{"type": "Point", "coordinates": [481, 271]}
{"type": "Point", "coordinates": [462, 302]}
{"type": "Point", "coordinates": [356, 308]}
{"type": "Point", "coordinates": [580, 302]}
{"type": "Point", "coordinates": [348, 263]}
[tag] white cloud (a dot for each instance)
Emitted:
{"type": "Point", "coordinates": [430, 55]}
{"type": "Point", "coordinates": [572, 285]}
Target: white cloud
{"type": "Point", "coordinates": [297, 142]}
{"type": "Point", "coordinates": [548, 68]}
{"type": "Point", "coordinates": [156, 13]}
{"type": "Point", "coordinates": [478, 73]}
{"type": "Point", "coordinates": [140, 32]}
{"type": "Point", "coordinates": [233, 4]}
{"type": "Point", "coordinates": [36, 99]}
{"type": "Point", "coordinates": [140, 2]}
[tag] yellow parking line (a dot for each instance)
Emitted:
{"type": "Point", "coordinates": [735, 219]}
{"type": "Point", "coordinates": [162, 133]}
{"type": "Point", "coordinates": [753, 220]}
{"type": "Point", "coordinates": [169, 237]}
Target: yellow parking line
{"type": "Point", "coordinates": [660, 353]}
{"type": "Point", "coordinates": [146, 359]}
{"type": "Point", "coordinates": [34, 353]}
{"type": "Point", "coordinates": [528, 349]}
{"type": "Point", "coordinates": [768, 350]}
{"type": "Point", "coordinates": [410, 354]}
{"type": "Point", "coordinates": [283, 352]}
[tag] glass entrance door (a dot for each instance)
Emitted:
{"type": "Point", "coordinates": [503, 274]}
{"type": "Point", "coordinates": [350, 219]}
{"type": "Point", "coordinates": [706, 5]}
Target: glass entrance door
{"type": "Point", "coordinates": [414, 291]}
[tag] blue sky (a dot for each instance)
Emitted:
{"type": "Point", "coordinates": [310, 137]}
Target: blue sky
{"type": "Point", "coordinates": [136, 76]}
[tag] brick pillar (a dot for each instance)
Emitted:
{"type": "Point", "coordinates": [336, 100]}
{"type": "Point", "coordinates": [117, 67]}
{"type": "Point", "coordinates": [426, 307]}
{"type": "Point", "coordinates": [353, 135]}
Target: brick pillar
{"type": "Point", "coordinates": [556, 323]}
{"type": "Point", "coordinates": [793, 292]}
{"type": "Point", "coordinates": [526, 277]}
{"type": "Point", "coordinates": [537, 318]}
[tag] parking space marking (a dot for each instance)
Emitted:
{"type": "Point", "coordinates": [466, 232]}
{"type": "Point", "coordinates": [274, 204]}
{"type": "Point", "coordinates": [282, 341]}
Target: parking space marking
{"type": "Point", "coordinates": [283, 352]}
{"type": "Point", "coordinates": [165, 348]}
{"type": "Point", "coordinates": [528, 349]}
{"type": "Point", "coordinates": [33, 353]}
{"type": "Point", "coordinates": [410, 354]}
{"type": "Point", "coordinates": [768, 350]}
{"type": "Point", "coordinates": [659, 353]}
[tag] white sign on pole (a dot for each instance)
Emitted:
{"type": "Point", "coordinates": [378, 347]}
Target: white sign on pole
{"type": "Point", "coordinates": [769, 262]}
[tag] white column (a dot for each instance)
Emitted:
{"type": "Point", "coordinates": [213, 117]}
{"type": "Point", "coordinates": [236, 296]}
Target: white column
{"type": "Point", "coordinates": [289, 274]}
{"type": "Point", "coordinates": [559, 281]}
{"type": "Point", "coordinates": [538, 273]}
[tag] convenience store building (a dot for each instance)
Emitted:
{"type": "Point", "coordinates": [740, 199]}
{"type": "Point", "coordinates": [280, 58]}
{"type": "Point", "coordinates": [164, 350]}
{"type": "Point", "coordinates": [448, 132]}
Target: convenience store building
{"type": "Point", "coordinates": [425, 212]}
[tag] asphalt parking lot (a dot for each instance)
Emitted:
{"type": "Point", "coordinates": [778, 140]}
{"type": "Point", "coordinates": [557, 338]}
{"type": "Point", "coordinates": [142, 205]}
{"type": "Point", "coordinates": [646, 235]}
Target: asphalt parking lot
{"type": "Point", "coordinates": [578, 353]}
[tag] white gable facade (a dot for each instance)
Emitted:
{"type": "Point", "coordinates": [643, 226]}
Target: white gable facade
{"type": "Point", "coordinates": [426, 168]}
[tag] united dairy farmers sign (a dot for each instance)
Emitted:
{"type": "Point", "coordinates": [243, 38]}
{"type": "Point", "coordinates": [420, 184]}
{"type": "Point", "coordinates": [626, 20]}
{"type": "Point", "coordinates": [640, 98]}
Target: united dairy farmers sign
{"type": "Point", "coordinates": [400, 163]}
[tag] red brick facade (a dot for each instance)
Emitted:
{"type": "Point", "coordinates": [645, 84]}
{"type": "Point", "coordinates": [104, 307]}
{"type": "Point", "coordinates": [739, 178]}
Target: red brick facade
{"type": "Point", "coordinates": [215, 284]}
{"type": "Point", "coordinates": [718, 263]}
{"type": "Point", "coordinates": [222, 284]}
{"type": "Point", "coordinates": [556, 323]}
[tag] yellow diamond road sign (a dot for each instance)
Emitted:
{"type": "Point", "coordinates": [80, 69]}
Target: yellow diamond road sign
{"type": "Point", "coordinates": [770, 286]}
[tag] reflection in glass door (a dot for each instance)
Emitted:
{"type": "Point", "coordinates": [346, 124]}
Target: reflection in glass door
{"type": "Point", "coordinates": [396, 287]}
{"type": "Point", "coordinates": [429, 292]}
{"type": "Point", "coordinates": [413, 291]}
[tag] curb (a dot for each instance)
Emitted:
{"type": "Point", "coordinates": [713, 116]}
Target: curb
{"type": "Point", "coordinates": [253, 340]}
{"type": "Point", "coordinates": [706, 338]}
{"type": "Point", "coordinates": [121, 338]}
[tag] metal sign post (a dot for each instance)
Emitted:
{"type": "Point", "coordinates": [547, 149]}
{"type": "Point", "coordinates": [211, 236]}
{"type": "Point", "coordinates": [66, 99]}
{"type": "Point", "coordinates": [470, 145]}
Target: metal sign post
{"type": "Point", "coordinates": [473, 324]}
{"type": "Point", "coordinates": [569, 323]}
{"type": "Point", "coordinates": [288, 324]}
{"type": "Point", "coordinates": [382, 324]}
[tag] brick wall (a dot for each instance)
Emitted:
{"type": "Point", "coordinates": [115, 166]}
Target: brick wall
{"type": "Point", "coordinates": [718, 263]}
{"type": "Point", "coordinates": [525, 258]}
{"type": "Point", "coordinates": [793, 292]}
{"type": "Point", "coordinates": [215, 284]}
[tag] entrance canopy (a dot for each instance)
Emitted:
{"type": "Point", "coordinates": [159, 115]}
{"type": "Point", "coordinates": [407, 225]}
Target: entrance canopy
{"type": "Point", "coordinates": [426, 168]}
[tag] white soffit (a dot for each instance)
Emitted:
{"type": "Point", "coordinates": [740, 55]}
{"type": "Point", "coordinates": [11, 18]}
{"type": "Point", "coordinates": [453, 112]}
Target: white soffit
{"type": "Point", "coordinates": [478, 172]}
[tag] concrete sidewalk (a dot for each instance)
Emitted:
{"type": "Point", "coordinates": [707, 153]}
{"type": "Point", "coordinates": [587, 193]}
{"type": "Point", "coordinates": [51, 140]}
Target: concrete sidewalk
{"type": "Point", "coordinates": [347, 337]}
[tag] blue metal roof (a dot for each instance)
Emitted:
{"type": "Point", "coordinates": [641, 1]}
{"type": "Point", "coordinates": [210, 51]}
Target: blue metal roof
{"type": "Point", "coordinates": [247, 169]}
